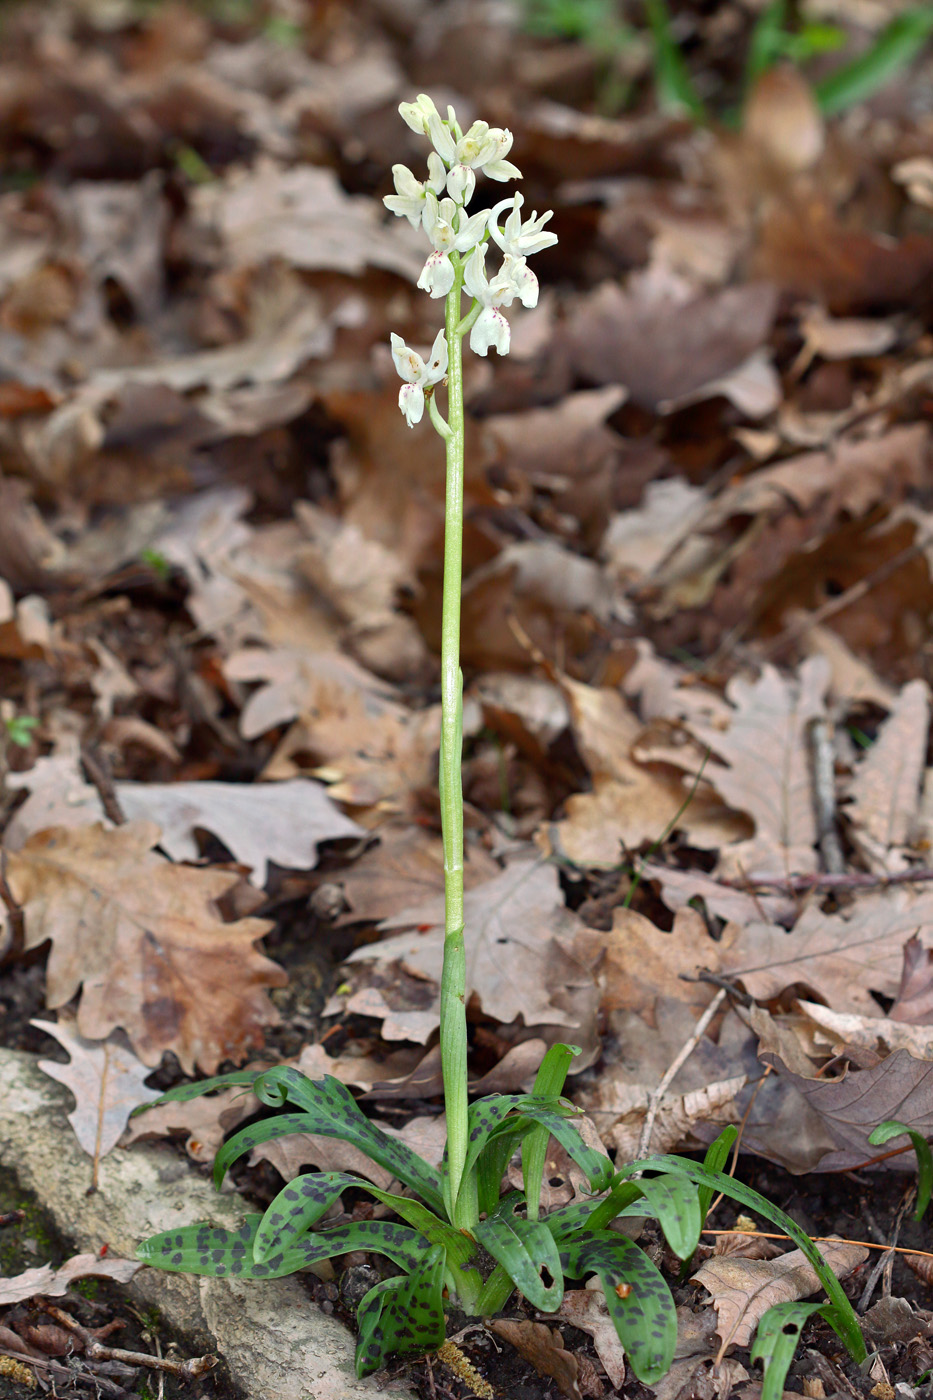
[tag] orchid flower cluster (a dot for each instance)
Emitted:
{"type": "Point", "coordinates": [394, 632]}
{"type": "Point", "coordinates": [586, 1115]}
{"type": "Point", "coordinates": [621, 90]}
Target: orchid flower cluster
{"type": "Point", "coordinates": [460, 240]}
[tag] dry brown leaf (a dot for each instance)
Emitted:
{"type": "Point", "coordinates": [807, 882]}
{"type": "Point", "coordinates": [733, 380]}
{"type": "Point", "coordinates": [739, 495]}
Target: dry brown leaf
{"type": "Point", "coordinates": [519, 938]}
{"type": "Point", "coordinates": [636, 962]}
{"type": "Point", "coordinates": [636, 541]}
{"type": "Point", "coordinates": [842, 957]}
{"type": "Point", "coordinates": [769, 769]}
{"type": "Point", "coordinates": [877, 1034]}
{"type": "Point", "coordinates": [54, 1283]}
{"type": "Point", "coordinates": [744, 1289]}
{"type": "Point", "coordinates": [586, 1308]}
{"type": "Point", "coordinates": [885, 789]}
{"type": "Point", "coordinates": [631, 803]}
{"type": "Point", "coordinates": [206, 1120]}
{"type": "Point", "coordinates": [543, 1348]}
{"type": "Point", "coordinates": [913, 1003]}
{"type": "Point", "coordinates": [141, 939]}
{"type": "Point", "coordinates": [675, 1126]}
{"type": "Point", "coordinates": [257, 822]}
{"type": "Point", "coordinates": [853, 1104]}
{"type": "Point", "coordinates": [783, 121]}
{"type": "Point", "coordinates": [662, 341]}
{"type": "Point", "coordinates": [106, 1079]}
{"type": "Point", "coordinates": [403, 868]}
{"type": "Point", "coordinates": [301, 214]}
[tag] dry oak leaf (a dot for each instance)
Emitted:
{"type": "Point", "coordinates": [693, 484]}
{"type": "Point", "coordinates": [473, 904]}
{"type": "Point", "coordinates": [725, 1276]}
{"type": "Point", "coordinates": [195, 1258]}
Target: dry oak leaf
{"type": "Point", "coordinates": [842, 957]}
{"type": "Point", "coordinates": [744, 1289]}
{"type": "Point", "coordinates": [519, 944]}
{"type": "Point", "coordinates": [54, 1283]}
{"type": "Point", "coordinates": [142, 940]}
{"type": "Point", "coordinates": [850, 1106]}
{"type": "Point", "coordinates": [257, 822]}
{"type": "Point", "coordinates": [631, 803]}
{"type": "Point", "coordinates": [636, 962]}
{"type": "Point", "coordinates": [107, 1081]}
{"type": "Point", "coordinates": [769, 769]}
{"type": "Point", "coordinates": [586, 1308]}
{"type": "Point", "coordinates": [886, 786]}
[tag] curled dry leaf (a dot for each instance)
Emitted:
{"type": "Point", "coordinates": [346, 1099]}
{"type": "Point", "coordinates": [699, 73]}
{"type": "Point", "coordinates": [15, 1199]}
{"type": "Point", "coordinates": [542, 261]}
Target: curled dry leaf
{"type": "Point", "coordinates": [885, 789]}
{"type": "Point", "coordinates": [543, 1347]}
{"type": "Point", "coordinates": [586, 1308]}
{"type": "Point", "coordinates": [142, 941]}
{"type": "Point", "coordinates": [744, 1289]}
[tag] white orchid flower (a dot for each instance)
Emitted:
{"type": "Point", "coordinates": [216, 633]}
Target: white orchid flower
{"type": "Point", "coordinates": [516, 274]}
{"type": "Point", "coordinates": [519, 239]}
{"type": "Point", "coordinates": [440, 216]}
{"type": "Point", "coordinates": [483, 148]}
{"type": "Point", "coordinates": [417, 114]}
{"type": "Point", "coordinates": [461, 182]}
{"type": "Point", "coordinates": [417, 374]}
{"type": "Point", "coordinates": [490, 327]}
{"type": "Point", "coordinates": [409, 200]}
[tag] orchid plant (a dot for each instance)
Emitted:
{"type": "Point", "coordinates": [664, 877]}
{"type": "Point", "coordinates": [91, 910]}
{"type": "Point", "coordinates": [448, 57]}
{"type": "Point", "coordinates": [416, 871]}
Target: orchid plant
{"type": "Point", "coordinates": [461, 1241]}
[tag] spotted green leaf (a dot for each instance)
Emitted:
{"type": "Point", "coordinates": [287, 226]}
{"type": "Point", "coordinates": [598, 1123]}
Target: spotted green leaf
{"type": "Point", "coordinates": [638, 1299]}
{"type": "Point", "coordinates": [838, 1312]}
{"type": "Point", "coordinates": [525, 1248]}
{"type": "Point", "coordinates": [305, 1199]}
{"type": "Point", "coordinates": [330, 1110]}
{"type": "Point", "coordinates": [206, 1249]}
{"type": "Point", "coordinates": [183, 1093]}
{"type": "Point", "coordinates": [674, 1203]}
{"type": "Point", "coordinates": [402, 1316]}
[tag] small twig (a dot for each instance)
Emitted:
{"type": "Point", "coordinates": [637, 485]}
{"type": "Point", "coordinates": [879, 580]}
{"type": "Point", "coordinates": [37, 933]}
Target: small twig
{"type": "Point", "coordinates": [803, 884]}
{"type": "Point", "coordinates": [885, 1263]}
{"type": "Point", "coordinates": [823, 1239]}
{"type": "Point", "coordinates": [96, 1351]}
{"type": "Point", "coordinates": [823, 771]}
{"type": "Point", "coordinates": [98, 770]}
{"type": "Point", "coordinates": [654, 1103]}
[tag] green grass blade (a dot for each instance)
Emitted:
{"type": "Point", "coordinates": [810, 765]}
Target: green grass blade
{"type": "Point", "coordinates": [765, 44]}
{"type": "Point", "coordinates": [776, 1341]}
{"type": "Point", "coordinates": [898, 44]}
{"type": "Point", "coordinates": [638, 1299]}
{"type": "Point", "coordinates": [892, 1129]}
{"type": "Point", "coordinates": [402, 1316]}
{"type": "Point", "coordinates": [674, 84]}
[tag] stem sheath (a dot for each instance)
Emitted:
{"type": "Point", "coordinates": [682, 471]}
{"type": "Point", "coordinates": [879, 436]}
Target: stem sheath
{"type": "Point", "coordinates": [462, 1204]}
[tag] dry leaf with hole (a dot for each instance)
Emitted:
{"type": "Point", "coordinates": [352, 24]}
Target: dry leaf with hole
{"type": "Point", "coordinates": [107, 1081]}
{"type": "Point", "coordinates": [142, 941]}
{"type": "Point", "coordinates": [744, 1289]}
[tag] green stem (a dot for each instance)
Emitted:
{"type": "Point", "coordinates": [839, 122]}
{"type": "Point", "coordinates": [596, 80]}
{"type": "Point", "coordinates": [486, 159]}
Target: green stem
{"type": "Point", "coordinates": [462, 1204]}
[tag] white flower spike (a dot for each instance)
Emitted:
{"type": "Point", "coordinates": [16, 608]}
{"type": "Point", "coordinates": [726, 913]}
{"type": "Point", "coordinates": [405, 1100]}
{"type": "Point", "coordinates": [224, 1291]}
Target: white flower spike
{"type": "Point", "coordinates": [408, 202]}
{"type": "Point", "coordinates": [417, 375]}
{"type": "Point", "coordinates": [520, 239]}
{"type": "Point", "coordinates": [457, 262]}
